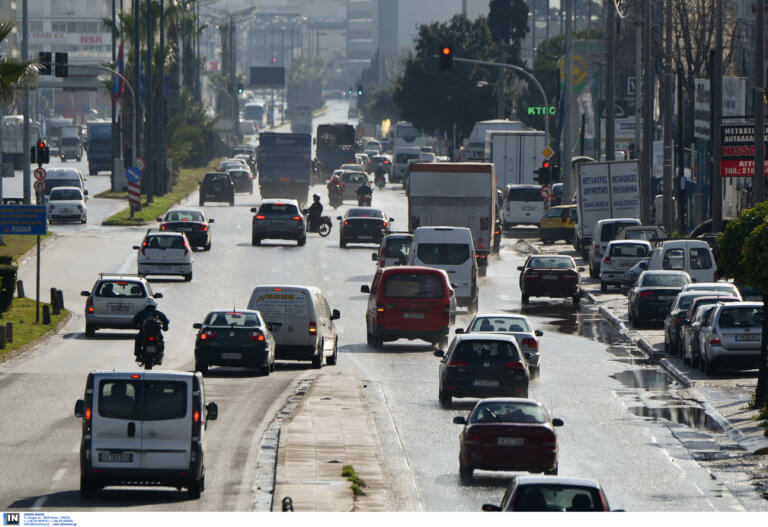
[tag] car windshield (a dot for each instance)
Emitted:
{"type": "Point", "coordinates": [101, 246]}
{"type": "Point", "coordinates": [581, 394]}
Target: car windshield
{"type": "Point", "coordinates": [70, 141]}
{"type": "Point", "coordinates": [524, 194]}
{"type": "Point", "coordinates": [414, 285]}
{"type": "Point", "coordinates": [511, 324]}
{"type": "Point", "coordinates": [366, 212]}
{"type": "Point", "coordinates": [555, 212]}
{"type": "Point", "coordinates": [629, 250]}
{"type": "Point", "coordinates": [232, 318]}
{"type": "Point", "coordinates": [120, 289]}
{"type": "Point", "coordinates": [53, 183]}
{"type": "Point", "coordinates": [641, 234]}
{"type": "Point", "coordinates": [443, 253]}
{"type": "Point", "coordinates": [397, 247]}
{"type": "Point", "coordinates": [609, 230]}
{"type": "Point", "coordinates": [741, 317]}
{"type": "Point", "coordinates": [165, 242]}
{"type": "Point", "coordinates": [278, 208]}
{"type": "Point", "coordinates": [509, 412]}
{"type": "Point", "coordinates": [664, 280]}
{"type": "Point", "coordinates": [542, 497]}
{"type": "Point", "coordinates": [486, 351]}
{"type": "Point", "coordinates": [184, 215]}
{"type": "Point", "coordinates": [66, 194]}
{"type": "Point", "coordinates": [550, 262]}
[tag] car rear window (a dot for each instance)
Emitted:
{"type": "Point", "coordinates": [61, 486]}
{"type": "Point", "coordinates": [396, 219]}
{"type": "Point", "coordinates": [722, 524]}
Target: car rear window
{"type": "Point", "coordinates": [511, 324]}
{"type": "Point", "coordinates": [119, 288]}
{"type": "Point", "coordinates": [609, 230]}
{"type": "Point", "coordinates": [741, 317]}
{"type": "Point", "coordinates": [66, 194]}
{"type": "Point", "coordinates": [641, 234]}
{"type": "Point", "coordinates": [557, 213]}
{"type": "Point", "coordinates": [542, 497]}
{"type": "Point", "coordinates": [279, 303]}
{"type": "Point", "coordinates": [165, 242]}
{"type": "Point", "coordinates": [700, 259]}
{"type": "Point", "coordinates": [397, 247]}
{"type": "Point", "coordinates": [664, 280]}
{"type": "Point", "coordinates": [485, 351]}
{"type": "Point", "coordinates": [119, 399]}
{"type": "Point", "coordinates": [414, 285]}
{"type": "Point", "coordinates": [184, 215]}
{"type": "Point", "coordinates": [217, 178]}
{"type": "Point", "coordinates": [238, 173]}
{"type": "Point", "coordinates": [164, 400]}
{"type": "Point", "coordinates": [504, 412]}
{"type": "Point", "coordinates": [549, 262]}
{"type": "Point", "coordinates": [364, 213]}
{"type": "Point", "coordinates": [51, 183]}
{"type": "Point", "coordinates": [524, 194]}
{"type": "Point", "coordinates": [629, 250]}
{"type": "Point", "coordinates": [232, 318]}
{"type": "Point", "coordinates": [278, 208]}
{"type": "Point", "coordinates": [443, 253]}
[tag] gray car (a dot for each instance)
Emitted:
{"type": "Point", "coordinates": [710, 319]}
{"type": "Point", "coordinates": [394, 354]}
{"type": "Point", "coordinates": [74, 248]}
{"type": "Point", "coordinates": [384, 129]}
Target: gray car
{"type": "Point", "coordinates": [731, 337]}
{"type": "Point", "coordinates": [279, 219]}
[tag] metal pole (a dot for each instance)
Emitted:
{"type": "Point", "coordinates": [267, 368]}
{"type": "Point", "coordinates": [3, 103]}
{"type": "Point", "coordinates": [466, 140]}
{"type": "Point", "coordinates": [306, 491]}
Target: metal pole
{"type": "Point", "coordinates": [638, 81]}
{"type": "Point", "coordinates": [533, 30]}
{"type": "Point", "coordinates": [669, 104]}
{"type": "Point", "coordinates": [647, 159]}
{"type": "Point", "coordinates": [610, 98]}
{"type": "Point", "coordinates": [464, 8]}
{"type": "Point", "coordinates": [565, 153]}
{"type": "Point", "coordinates": [25, 106]}
{"type": "Point", "coordinates": [37, 271]}
{"type": "Point", "coordinates": [161, 183]}
{"type": "Point", "coordinates": [548, 18]}
{"type": "Point", "coordinates": [233, 77]}
{"type": "Point", "coordinates": [135, 93]}
{"type": "Point", "coordinates": [680, 224]}
{"type": "Point", "coordinates": [717, 119]}
{"type": "Point", "coordinates": [502, 83]}
{"type": "Point", "coordinates": [115, 143]}
{"type": "Point", "coordinates": [148, 154]}
{"type": "Point", "coordinates": [758, 180]}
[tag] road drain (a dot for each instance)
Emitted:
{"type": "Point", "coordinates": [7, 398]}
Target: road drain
{"type": "Point", "coordinates": [690, 416]}
{"type": "Point", "coordinates": [646, 379]}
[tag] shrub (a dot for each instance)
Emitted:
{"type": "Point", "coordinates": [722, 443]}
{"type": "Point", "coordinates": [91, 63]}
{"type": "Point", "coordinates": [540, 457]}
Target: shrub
{"type": "Point", "coordinates": [7, 282]}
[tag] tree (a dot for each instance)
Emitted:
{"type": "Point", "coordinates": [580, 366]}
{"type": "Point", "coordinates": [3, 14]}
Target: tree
{"type": "Point", "coordinates": [15, 73]}
{"type": "Point", "coordinates": [743, 256]}
{"type": "Point", "coordinates": [508, 22]}
{"type": "Point", "coordinates": [380, 105]}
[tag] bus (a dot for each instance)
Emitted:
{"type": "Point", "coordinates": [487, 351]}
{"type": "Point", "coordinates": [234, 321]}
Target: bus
{"type": "Point", "coordinates": [405, 139]}
{"type": "Point", "coordinates": [254, 112]}
{"type": "Point", "coordinates": [335, 145]}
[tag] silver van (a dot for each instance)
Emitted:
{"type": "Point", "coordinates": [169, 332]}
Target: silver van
{"type": "Point", "coordinates": [63, 177]}
{"type": "Point", "coordinates": [300, 320]}
{"type": "Point", "coordinates": [143, 428]}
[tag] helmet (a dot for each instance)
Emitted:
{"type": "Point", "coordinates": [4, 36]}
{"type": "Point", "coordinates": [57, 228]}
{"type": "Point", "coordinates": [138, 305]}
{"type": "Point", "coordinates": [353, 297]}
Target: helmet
{"type": "Point", "coordinates": [316, 197]}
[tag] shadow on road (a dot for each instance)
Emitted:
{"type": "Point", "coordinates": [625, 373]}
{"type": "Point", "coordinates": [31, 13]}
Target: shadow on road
{"type": "Point", "coordinates": [388, 348]}
{"type": "Point", "coordinates": [128, 335]}
{"type": "Point", "coordinates": [112, 497]}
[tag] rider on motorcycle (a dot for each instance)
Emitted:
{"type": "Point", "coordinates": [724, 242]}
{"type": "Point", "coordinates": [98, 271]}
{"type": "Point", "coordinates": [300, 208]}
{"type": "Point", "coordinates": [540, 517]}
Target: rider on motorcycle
{"type": "Point", "coordinates": [335, 185]}
{"type": "Point", "coordinates": [149, 312]}
{"type": "Point", "coordinates": [363, 191]}
{"type": "Point", "coordinates": [315, 211]}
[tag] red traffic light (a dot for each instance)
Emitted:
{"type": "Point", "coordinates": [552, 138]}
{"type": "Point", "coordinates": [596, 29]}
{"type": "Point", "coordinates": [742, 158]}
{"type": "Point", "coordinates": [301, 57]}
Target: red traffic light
{"type": "Point", "coordinates": [274, 59]}
{"type": "Point", "coordinates": [446, 50]}
{"type": "Point", "coordinates": [41, 144]}
{"type": "Point", "coordinates": [545, 164]}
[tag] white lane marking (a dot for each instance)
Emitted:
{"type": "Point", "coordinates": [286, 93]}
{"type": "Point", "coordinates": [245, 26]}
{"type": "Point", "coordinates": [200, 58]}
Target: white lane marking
{"type": "Point", "coordinates": [39, 502]}
{"type": "Point", "coordinates": [126, 264]}
{"type": "Point", "coordinates": [76, 448]}
{"type": "Point", "coordinates": [59, 474]}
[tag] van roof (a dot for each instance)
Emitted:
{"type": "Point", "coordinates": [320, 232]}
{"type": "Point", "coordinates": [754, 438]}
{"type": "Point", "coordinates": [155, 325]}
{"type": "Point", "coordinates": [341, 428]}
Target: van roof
{"type": "Point", "coordinates": [614, 220]}
{"type": "Point", "coordinates": [685, 243]}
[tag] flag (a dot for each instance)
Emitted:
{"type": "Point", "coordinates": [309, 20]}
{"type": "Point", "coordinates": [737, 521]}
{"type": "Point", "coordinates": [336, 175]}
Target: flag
{"type": "Point", "coordinates": [118, 86]}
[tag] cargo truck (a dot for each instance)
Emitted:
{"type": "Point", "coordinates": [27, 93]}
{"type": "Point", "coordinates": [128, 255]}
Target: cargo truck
{"type": "Point", "coordinates": [515, 155]}
{"type": "Point", "coordinates": [283, 163]}
{"type": "Point", "coordinates": [70, 142]}
{"type": "Point", "coordinates": [99, 146]}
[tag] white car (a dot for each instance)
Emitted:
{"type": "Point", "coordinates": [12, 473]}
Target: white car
{"type": "Point", "coordinates": [720, 288]}
{"type": "Point", "coordinates": [67, 203]}
{"type": "Point", "coordinates": [114, 300]}
{"type": "Point", "coordinates": [620, 256]}
{"type": "Point", "coordinates": [165, 253]}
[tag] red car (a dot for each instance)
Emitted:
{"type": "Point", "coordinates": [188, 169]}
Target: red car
{"type": "Point", "coordinates": [508, 434]}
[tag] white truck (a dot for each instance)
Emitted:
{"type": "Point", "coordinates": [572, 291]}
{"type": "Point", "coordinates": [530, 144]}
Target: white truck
{"type": "Point", "coordinates": [71, 142]}
{"type": "Point", "coordinates": [605, 190]}
{"type": "Point", "coordinates": [455, 195]}
{"type": "Point", "coordinates": [515, 155]}
{"type": "Point", "coordinates": [474, 149]}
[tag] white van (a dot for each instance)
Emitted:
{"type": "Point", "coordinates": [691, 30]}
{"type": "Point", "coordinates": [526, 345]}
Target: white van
{"type": "Point", "coordinates": [523, 206]}
{"type": "Point", "coordinates": [143, 428]}
{"type": "Point", "coordinates": [605, 231]}
{"type": "Point", "coordinates": [692, 256]}
{"type": "Point", "coordinates": [300, 320]}
{"type": "Point", "coordinates": [450, 249]}
{"type": "Point", "coordinates": [63, 177]}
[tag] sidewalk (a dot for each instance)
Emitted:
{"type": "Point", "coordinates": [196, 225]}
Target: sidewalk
{"type": "Point", "coordinates": [331, 428]}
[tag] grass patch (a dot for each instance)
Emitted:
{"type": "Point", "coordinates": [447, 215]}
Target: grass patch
{"type": "Point", "coordinates": [108, 194]}
{"type": "Point", "coordinates": [16, 246]}
{"type": "Point", "coordinates": [25, 329]}
{"type": "Point", "coordinates": [186, 183]}
{"type": "Point", "coordinates": [358, 483]}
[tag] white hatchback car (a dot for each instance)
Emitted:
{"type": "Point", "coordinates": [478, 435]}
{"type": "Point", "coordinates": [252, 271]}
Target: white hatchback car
{"type": "Point", "coordinates": [165, 253]}
{"type": "Point", "coordinates": [67, 203]}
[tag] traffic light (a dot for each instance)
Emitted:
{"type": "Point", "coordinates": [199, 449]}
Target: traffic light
{"type": "Point", "coordinates": [62, 67]}
{"type": "Point", "coordinates": [446, 58]}
{"type": "Point", "coordinates": [349, 91]}
{"type": "Point", "coordinates": [274, 60]}
{"type": "Point", "coordinates": [359, 89]}
{"type": "Point", "coordinates": [555, 173]}
{"type": "Point", "coordinates": [229, 88]}
{"type": "Point", "coordinates": [44, 57]}
{"type": "Point", "coordinates": [240, 87]}
{"type": "Point", "coordinates": [39, 153]}
{"type": "Point", "coordinates": [543, 174]}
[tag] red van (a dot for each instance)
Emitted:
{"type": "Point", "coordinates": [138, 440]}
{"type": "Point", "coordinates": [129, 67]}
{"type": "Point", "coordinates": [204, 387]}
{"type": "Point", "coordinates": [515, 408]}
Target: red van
{"type": "Point", "coordinates": [409, 302]}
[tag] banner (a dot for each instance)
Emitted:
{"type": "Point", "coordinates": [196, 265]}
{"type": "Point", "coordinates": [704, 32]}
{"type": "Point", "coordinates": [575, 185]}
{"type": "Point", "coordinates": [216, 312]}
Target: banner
{"type": "Point", "coordinates": [738, 151]}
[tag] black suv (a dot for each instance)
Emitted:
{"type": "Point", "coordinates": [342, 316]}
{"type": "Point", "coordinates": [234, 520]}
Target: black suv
{"type": "Point", "coordinates": [217, 186]}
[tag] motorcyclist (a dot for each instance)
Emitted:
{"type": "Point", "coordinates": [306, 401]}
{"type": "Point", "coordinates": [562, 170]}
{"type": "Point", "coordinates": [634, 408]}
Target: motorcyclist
{"type": "Point", "coordinates": [335, 185]}
{"type": "Point", "coordinates": [315, 212]}
{"type": "Point", "coordinates": [364, 191]}
{"type": "Point", "coordinates": [150, 311]}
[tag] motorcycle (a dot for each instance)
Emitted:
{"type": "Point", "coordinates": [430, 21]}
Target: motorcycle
{"type": "Point", "coordinates": [364, 199]}
{"type": "Point", "coordinates": [380, 180]}
{"type": "Point", "coordinates": [151, 345]}
{"type": "Point", "coordinates": [335, 197]}
{"type": "Point", "coordinates": [322, 226]}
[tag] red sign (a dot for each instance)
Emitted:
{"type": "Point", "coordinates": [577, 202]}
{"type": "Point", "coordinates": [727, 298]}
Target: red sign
{"type": "Point", "coordinates": [739, 167]}
{"type": "Point", "coordinates": [90, 39]}
{"type": "Point", "coordinates": [737, 157]}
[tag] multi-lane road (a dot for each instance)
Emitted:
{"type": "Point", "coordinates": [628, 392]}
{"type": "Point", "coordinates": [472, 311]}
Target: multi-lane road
{"type": "Point", "coordinates": [589, 378]}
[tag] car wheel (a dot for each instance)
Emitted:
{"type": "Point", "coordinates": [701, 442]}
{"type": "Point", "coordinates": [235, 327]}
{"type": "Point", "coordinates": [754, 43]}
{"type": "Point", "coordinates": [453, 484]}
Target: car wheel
{"type": "Point", "coordinates": [333, 359]}
{"type": "Point", "coordinates": [535, 372]}
{"type": "Point", "coordinates": [552, 472]}
{"type": "Point", "coordinates": [207, 246]}
{"type": "Point", "coordinates": [482, 271]}
{"type": "Point", "coordinates": [524, 299]}
{"type": "Point", "coordinates": [603, 287]}
{"type": "Point", "coordinates": [255, 240]}
{"type": "Point", "coordinates": [196, 488]}
{"type": "Point", "coordinates": [89, 330]}
{"type": "Point", "coordinates": [317, 360]}
{"type": "Point", "coordinates": [188, 277]}
{"type": "Point", "coordinates": [446, 400]}
{"type": "Point", "coordinates": [342, 243]}
{"type": "Point", "coordinates": [465, 473]}
{"type": "Point", "coordinates": [378, 343]}
{"type": "Point", "coordinates": [265, 370]}
{"type": "Point", "coordinates": [86, 488]}
{"type": "Point", "coordinates": [301, 242]}
{"type": "Point", "coordinates": [202, 367]}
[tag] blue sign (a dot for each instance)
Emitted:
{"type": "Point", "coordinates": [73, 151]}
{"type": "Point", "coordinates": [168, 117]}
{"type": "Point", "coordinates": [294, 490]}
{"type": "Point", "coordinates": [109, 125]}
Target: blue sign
{"type": "Point", "coordinates": [23, 219]}
{"type": "Point", "coordinates": [133, 175]}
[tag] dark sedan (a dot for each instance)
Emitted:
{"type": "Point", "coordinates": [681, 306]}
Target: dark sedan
{"type": "Point", "coordinates": [653, 294]}
{"type": "Point", "coordinates": [242, 179]}
{"type": "Point", "coordinates": [363, 225]}
{"type": "Point", "coordinates": [629, 278]}
{"type": "Point", "coordinates": [191, 222]}
{"type": "Point", "coordinates": [507, 434]}
{"type": "Point", "coordinates": [554, 276]}
{"type": "Point", "coordinates": [482, 365]}
{"type": "Point", "coordinates": [217, 187]}
{"type": "Point", "coordinates": [279, 219]}
{"type": "Point", "coordinates": [234, 338]}
{"type": "Point", "coordinates": [676, 318]}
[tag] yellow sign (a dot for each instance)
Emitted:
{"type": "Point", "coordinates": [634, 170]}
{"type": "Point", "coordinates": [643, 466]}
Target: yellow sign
{"type": "Point", "coordinates": [548, 152]}
{"type": "Point", "coordinates": [579, 69]}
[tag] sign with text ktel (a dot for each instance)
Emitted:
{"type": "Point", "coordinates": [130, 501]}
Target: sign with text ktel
{"type": "Point", "coordinates": [22, 219]}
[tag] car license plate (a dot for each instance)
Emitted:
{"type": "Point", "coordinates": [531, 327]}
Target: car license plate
{"type": "Point", "coordinates": [748, 337]}
{"type": "Point", "coordinates": [278, 222]}
{"type": "Point", "coordinates": [285, 180]}
{"type": "Point", "coordinates": [485, 383]}
{"type": "Point", "coordinates": [510, 441]}
{"type": "Point", "coordinates": [666, 297]}
{"type": "Point", "coordinates": [413, 315]}
{"type": "Point", "coordinates": [105, 457]}
{"type": "Point", "coordinates": [232, 356]}
{"type": "Point", "coordinates": [66, 210]}
{"type": "Point", "coordinates": [366, 237]}
{"type": "Point", "coordinates": [550, 277]}
{"type": "Point", "coordinates": [118, 308]}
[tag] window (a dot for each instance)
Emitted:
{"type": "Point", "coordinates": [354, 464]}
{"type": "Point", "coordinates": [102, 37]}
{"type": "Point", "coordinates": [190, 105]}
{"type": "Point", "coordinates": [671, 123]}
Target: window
{"type": "Point", "coordinates": [165, 242]}
{"type": "Point", "coordinates": [36, 26]}
{"type": "Point", "coordinates": [72, 27]}
{"type": "Point", "coordinates": [509, 413]}
{"type": "Point", "coordinates": [524, 194]}
{"type": "Point", "coordinates": [627, 250]}
{"type": "Point", "coordinates": [554, 262]}
{"type": "Point", "coordinates": [512, 324]}
{"type": "Point", "coordinates": [664, 280]}
{"type": "Point", "coordinates": [120, 289]}
{"type": "Point", "coordinates": [278, 208]}
{"type": "Point", "coordinates": [674, 259]}
{"type": "Point", "coordinates": [553, 213]}
{"type": "Point", "coordinates": [70, 141]}
{"type": "Point", "coordinates": [542, 498]}
{"type": "Point", "coordinates": [609, 230]}
{"type": "Point", "coordinates": [414, 285]}
{"type": "Point", "coordinates": [164, 400]}
{"type": "Point", "coordinates": [232, 318]}
{"type": "Point", "coordinates": [118, 399]}
{"type": "Point", "coordinates": [184, 215]}
{"type": "Point", "coordinates": [741, 317]}
{"type": "Point", "coordinates": [364, 213]}
{"type": "Point", "coordinates": [443, 253]}
{"type": "Point", "coordinates": [486, 351]}
{"type": "Point", "coordinates": [59, 27]}
{"type": "Point", "coordinates": [397, 248]}
{"type": "Point", "coordinates": [50, 184]}
{"type": "Point", "coordinates": [65, 194]}
{"type": "Point", "coordinates": [699, 258]}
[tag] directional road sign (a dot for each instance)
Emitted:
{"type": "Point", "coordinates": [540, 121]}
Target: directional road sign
{"type": "Point", "coordinates": [133, 175]}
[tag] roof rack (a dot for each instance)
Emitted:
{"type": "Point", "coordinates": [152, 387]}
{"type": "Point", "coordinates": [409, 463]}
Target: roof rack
{"type": "Point", "coordinates": [133, 275]}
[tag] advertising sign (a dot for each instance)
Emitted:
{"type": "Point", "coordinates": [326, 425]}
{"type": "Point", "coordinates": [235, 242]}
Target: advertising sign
{"type": "Point", "coordinates": [738, 151]}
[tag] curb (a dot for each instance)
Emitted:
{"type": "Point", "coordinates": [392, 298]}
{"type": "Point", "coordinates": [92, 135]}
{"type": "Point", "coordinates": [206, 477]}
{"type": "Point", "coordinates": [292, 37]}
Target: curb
{"type": "Point", "coordinates": [45, 336]}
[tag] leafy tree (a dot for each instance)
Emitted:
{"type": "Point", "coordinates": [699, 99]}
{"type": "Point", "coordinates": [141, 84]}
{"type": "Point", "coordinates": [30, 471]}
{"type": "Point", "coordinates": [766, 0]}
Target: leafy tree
{"type": "Point", "coordinates": [193, 140]}
{"type": "Point", "coordinates": [380, 105]}
{"type": "Point", "coordinates": [508, 22]}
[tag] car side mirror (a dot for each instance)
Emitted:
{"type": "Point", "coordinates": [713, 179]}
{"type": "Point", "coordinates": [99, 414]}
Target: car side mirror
{"type": "Point", "coordinates": [197, 325]}
{"type": "Point", "coordinates": [85, 293]}
{"type": "Point", "coordinates": [339, 218]}
{"type": "Point", "coordinates": [365, 289]}
{"type": "Point", "coordinates": [489, 507]}
{"type": "Point", "coordinates": [159, 218]}
{"type": "Point", "coordinates": [460, 331]}
{"type": "Point", "coordinates": [79, 408]}
{"type": "Point", "coordinates": [439, 353]}
{"type": "Point", "coordinates": [374, 257]}
{"type": "Point", "coordinates": [557, 422]}
{"type": "Point", "coordinates": [519, 267]}
{"type": "Point", "coordinates": [335, 314]}
{"type": "Point", "coordinates": [538, 333]}
{"type": "Point", "coordinates": [582, 269]}
{"type": "Point", "coordinates": [211, 411]}
{"type": "Point", "coordinates": [254, 210]}
{"type": "Point", "coordinates": [211, 220]}
{"type": "Point", "coordinates": [460, 420]}
{"type": "Point", "coordinates": [85, 193]}
{"type": "Point", "coordinates": [391, 220]}
{"type": "Point", "coordinates": [157, 295]}
{"type": "Point", "coordinates": [451, 292]}
{"type": "Point", "coordinates": [136, 247]}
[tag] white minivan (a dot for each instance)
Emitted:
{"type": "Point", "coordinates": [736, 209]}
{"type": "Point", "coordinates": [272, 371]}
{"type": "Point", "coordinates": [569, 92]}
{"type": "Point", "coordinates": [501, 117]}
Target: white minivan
{"type": "Point", "coordinates": [63, 177]}
{"type": "Point", "coordinates": [523, 206]}
{"type": "Point", "coordinates": [300, 320]}
{"type": "Point", "coordinates": [452, 250]}
{"type": "Point", "coordinates": [695, 257]}
{"type": "Point", "coordinates": [143, 428]}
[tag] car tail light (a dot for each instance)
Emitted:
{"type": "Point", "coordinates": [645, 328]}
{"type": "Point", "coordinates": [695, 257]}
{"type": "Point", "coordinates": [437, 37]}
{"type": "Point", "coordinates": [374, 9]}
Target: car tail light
{"type": "Point", "coordinates": [383, 223]}
{"type": "Point", "coordinates": [261, 217]}
{"type": "Point", "coordinates": [346, 222]}
{"type": "Point", "coordinates": [204, 227]}
{"type": "Point", "coordinates": [453, 363]}
{"type": "Point", "coordinates": [151, 339]}
{"type": "Point", "coordinates": [548, 441]}
{"type": "Point", "coordinates": [89, 304]}
{"type": "Point", "coordinates": [530, 343]}
{"type": "Point", "coordinates": [714, 340]}
{"type": "Point", "coordinates": [380, 308]}
{"type": "Point", "coordinates": [296, 218]}
{"type": "Point", "coordinates": [571, 276]}
{"type": "Point", "coordinates": [607, 260]}
{"type": "Point", "coordinates": [163, 227]}
{"type": "Point", "coordinates": [208, 334]}
{"type": "Point", "coordinates": [258, 336]}
{"type": "Point", "coordinates": [645, 294]}
{"type": "Point", "coordinates": [313, 328]}
{"type": "Point", "coordinates": [532, 276]}
{"type": "Point", "coordinates": [196, 421]}
{"type": "Point", "coordinates": [144, 247]}
{"type": "Point", "coordinates": [472, 440]}
{"type": "Point", "coordinates": [515, 365]}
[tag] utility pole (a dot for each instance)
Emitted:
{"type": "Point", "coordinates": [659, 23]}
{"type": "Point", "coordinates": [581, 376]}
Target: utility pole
{"type": "Point", "coordinates": [680, 225]}
{"type": "Point", "coordinates": [716, 91]}
{"type": "Point", "coordinates": [464, 8]}
{"type": "Point", "coordinates": [638, 79]}
{"type": "Point", "coordinates": [149, 167]}
{"type": "Point", "coordinates": [565, 153]}
{"type": "Point", "coordinates": [533, 30]}
{"type": "Point", "coordinates": [162, 187]}
{"type": "Point", "coordinates": [669, 104]}
{"type": "Point", "coordinates": [115, 138]}
{"type": "Point", "coordinates": [610, 98]}
{"type": "Point", "coordinates": [25, 107]}
{"type": "Point", "coordinates": [646, 163]}
{"type": "Point", "coordinates": [136, 92]}
{"type": "Point", "coordinates": [233, 77]}
{"type": "Point", "coordinates": [758, 179]}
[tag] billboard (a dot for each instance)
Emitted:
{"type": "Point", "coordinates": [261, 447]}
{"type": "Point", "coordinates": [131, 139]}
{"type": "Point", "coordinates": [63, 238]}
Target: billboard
{"type": "Point", "coordinates": [267, 77]}
{"type": "Point", "coordinates": [738, 150]}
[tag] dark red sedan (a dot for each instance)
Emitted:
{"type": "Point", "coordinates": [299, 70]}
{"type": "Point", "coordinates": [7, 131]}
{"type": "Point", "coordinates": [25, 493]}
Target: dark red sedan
{"type": "Point", "coordinates": [551, 275]}
{"type": "Point", "coordinates": [508, 434]}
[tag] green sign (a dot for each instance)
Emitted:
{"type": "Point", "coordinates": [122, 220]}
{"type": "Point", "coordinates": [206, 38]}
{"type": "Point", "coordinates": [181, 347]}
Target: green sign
{"type": "Point", "coordinates": [541, 110]}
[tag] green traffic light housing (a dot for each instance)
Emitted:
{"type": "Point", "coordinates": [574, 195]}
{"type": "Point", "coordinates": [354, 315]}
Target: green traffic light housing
{"type": "Point", "coordinates": [240, 87]}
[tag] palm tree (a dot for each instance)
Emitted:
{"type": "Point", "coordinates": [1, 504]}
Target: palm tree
{"type": "Point", "coordinates": [15, 73]}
